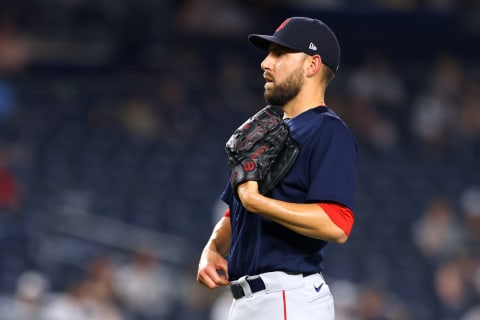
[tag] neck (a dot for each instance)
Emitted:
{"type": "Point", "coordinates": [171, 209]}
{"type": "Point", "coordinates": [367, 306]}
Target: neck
{"type": "Point", "coordinates": [302, 102]}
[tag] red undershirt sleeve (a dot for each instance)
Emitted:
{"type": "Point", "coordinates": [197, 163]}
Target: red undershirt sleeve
{"type": "Point", "coordinates": [340, 215]}
{"type": "Point", "coordinates": [226, 214]}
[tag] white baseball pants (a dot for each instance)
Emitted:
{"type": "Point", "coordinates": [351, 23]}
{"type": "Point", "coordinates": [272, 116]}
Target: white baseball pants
{"type": "Point", "coordinates": [285, 297]}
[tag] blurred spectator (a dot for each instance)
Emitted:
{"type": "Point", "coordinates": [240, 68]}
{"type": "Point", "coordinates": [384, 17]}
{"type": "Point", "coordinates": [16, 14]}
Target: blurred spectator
{"type": "Point", "coordinates": [13, 58]}
{"type": "Point", "coordinates": [213, 18]}
{"type": "Point", "coordinates": [449, 288]}
{"type": "Point", "coordinates": [198, 302]}
{"type": "Point", "coordinates": [7, 103]}
{"type": "Point", "coordinates": [183, 119]}
{"type": "Point", "coordinates": [13, 48]}
{"type": "Point", "coordinates": [71, 305]}
{"type": "Point", "coordinates": [440, 5]}
{"type": "Point", "coordinates": [146, 288]}
{"type": "Point", "coordinates": [235, 87]}
{"type": "Point", "coordinates": [469, 11]}
{"type": "Point", "coordinates": [100, 284]}
{"type": "Point", "coordinates": [377, 304]}
{"type": "Point", "coordinates": [89, 298]}
{"type": "Point", "coordinates": [469, 119]}
{"type": "Point", "coordinates": [438, 233]}
{"type": "Point", "coordinates": [433, 118]}
{"type": "Point", "coordinates": [371, 127]}
{"type": "Point", "coordinates": [434, 115]}
{"type": "Point", "coordinates": [10, 191]}
{"type": "Point", "coordinates": [30, 296]}
{"type": "Point", "coordinates": [470, 207]}
{"type": "Point", "coordinates": [447, 76]}
{"type": "Point", "coordinates": [472, 314]}
{"type": "Point", "coordinates": [375, 82]}
{"type": "Point", "coordinates": [80, 302]}
{"type": "Point", "coordinates": [140, 119]}
{"type": "Point", "coordinates": [346, 299]}
{"type": "Point", "coordinates": [377, 99]}
{"type": "Point", "coordinates": [194, 71]}
{"type": "Point", "coordinates": [456, 285]}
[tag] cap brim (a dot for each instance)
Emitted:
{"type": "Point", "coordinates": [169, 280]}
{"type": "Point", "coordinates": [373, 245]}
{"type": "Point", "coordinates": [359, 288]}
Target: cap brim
{"type": "Point", "coordinates": [263, 41]}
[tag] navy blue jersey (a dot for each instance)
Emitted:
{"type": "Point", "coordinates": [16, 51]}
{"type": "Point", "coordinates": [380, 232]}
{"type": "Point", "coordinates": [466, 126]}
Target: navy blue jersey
{"type": "Point", "coordinates": [323, 172]}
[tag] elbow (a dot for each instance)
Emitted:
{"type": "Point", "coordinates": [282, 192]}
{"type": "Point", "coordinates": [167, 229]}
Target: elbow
{"type": "Point", "coordinates": [341, 238]}
{"type": "Point", "coordinates": [341, 219]}
{"type": "Point", "coordinates": [335, 235]}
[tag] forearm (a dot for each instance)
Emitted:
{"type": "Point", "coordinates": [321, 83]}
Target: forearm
{"type": "Point", "coordinates": [307, 219]}
{"type": "Point", "coordinates": [213, 267]}
{"type": "Point", "coordinates": [220, 238]}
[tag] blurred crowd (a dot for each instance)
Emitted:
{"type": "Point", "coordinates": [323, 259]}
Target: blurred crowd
{"type": "Point", "coordinates": [128, 104]}
{"type": "Point", "coordinates": [135, 289]}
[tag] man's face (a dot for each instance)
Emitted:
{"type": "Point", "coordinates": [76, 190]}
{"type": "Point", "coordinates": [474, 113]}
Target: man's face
{"type": "Point", "coordinates": [283, 73]}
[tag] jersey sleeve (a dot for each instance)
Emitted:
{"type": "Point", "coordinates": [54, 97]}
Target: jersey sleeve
{"type": "Point", "coordinates": [226, 214]}
{"type": "Point", "coordinates": [333, 164]}
{"type": "Point", "coordinates": [340, 215]}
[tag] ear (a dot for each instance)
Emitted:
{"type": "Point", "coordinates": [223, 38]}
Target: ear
{"type": "Point", "coordinates": [314, 65]}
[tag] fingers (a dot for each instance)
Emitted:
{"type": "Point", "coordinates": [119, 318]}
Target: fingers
{"type": "Point", "coordinates": [213, 276]}
{"type": "Point", "coordinates": [212, 279]}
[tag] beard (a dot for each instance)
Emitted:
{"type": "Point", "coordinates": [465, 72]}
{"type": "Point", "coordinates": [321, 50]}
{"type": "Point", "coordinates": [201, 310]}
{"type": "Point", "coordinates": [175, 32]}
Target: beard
{"type": "Point", "coordinates": [285, 91]}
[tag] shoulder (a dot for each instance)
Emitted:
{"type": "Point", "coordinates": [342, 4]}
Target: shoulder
{"type": "Point", "coordinates": [317, 116]}
{"type": "Point", "coordinates": [319, 124]}
{"type": "Point", "coordinates": [333, 118]}
{"type": "Point", "coordinates": [333, 124]}
{"type": "Point", "coordinates": [334, 135]}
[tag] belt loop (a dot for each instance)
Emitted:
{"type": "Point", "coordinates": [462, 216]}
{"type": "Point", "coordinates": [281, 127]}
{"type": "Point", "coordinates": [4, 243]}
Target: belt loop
{"type": "Point", "coordinates": [245, 286]}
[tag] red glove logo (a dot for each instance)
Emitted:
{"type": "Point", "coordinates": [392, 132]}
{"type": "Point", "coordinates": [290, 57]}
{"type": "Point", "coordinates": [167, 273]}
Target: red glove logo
{"type": "Point", "coordinates": [248, 166]}
{"type": "Point", "coordinates": [259, 151]}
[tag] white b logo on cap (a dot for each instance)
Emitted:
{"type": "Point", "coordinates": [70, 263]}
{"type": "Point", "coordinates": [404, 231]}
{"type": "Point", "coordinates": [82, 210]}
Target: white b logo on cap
{"type": "Point", "coordinates": [312, 46]}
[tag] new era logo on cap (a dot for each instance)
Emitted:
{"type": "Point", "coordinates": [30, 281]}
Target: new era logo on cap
{"type": "Point", "coordinates": [308, 35]}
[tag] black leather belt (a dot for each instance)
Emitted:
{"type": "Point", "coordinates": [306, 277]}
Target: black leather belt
{"type": "Point", "coordinates": [255, 284]}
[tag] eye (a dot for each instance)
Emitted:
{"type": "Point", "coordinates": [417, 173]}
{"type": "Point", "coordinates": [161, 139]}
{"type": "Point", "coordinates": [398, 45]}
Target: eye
{"type": "Point", "coordinates": [278, 51]}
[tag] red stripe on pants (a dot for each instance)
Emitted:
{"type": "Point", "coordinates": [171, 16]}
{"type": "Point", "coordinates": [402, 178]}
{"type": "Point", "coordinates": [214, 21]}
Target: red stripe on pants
{"type": "Point", "coordinates": [284, 305]}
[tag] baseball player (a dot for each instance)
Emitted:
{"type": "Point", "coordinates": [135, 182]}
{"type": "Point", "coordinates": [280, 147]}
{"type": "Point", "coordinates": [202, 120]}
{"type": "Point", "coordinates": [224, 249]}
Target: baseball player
{"type": "Point", "coordinates": [275, 230]}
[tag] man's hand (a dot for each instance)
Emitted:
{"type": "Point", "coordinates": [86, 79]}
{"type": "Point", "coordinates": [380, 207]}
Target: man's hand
{"type": "Point", "coordinates": [212, 269]}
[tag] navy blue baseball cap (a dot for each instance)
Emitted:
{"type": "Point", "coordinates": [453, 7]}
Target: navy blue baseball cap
{"type": "Point", "coordinates": [303, 34]}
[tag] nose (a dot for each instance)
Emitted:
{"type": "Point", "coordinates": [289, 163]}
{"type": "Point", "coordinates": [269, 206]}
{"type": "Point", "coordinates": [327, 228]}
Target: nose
{"type": "Point", "coordinates": [266, 63]}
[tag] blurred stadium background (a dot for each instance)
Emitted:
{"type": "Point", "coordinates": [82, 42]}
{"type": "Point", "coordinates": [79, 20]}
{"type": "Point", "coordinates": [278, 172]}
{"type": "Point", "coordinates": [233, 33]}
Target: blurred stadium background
{"type": "Point", "coordinates": [113, 119]}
